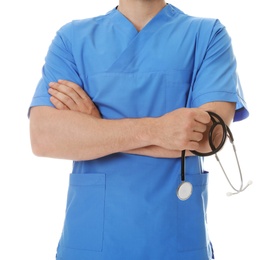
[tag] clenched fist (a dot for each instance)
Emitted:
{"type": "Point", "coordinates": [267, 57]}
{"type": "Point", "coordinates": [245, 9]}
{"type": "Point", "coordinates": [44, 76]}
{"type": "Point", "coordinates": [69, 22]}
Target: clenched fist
{"type": "Point", "coordinates": [182, 129]}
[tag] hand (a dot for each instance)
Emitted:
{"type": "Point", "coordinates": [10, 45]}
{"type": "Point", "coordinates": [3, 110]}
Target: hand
{"type": "Point", "coordinates": [182, 129]}
{"type": "Point", "coordinates": [66, 95]}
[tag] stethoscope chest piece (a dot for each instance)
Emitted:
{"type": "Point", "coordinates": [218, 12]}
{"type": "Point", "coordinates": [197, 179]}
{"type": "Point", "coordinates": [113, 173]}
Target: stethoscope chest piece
{"type": "Point", "coordinates": [184, 190]}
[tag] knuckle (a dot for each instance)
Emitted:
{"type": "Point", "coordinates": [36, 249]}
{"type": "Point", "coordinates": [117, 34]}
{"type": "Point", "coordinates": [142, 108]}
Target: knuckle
{"type": "Point", "coordinates": [68, 101]}
{"type": "Point", "coordinates": [70, 91]}
{"type": "Point", "coordinates": [87, 102]}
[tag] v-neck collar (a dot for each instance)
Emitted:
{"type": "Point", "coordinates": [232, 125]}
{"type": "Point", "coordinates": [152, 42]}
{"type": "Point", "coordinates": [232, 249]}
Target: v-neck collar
{"type": "Point", "coordinates": [162, 16]}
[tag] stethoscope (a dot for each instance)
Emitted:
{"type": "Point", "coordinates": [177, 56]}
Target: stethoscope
{"type": "Point", "coordinates": [185, 189]}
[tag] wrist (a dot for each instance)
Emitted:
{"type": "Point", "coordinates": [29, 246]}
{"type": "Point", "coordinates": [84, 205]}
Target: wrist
{"type": "Point", "coordinates": [146, 133]}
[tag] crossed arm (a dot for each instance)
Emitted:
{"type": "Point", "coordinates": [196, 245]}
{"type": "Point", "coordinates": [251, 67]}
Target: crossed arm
{"type": "Point", "coordinates": [75, 130]}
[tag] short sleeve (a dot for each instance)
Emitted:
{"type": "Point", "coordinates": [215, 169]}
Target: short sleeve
{"type": "Point", "coordinates": [59, 64]}
{"type": "Point", "coordinates": [216, 76]}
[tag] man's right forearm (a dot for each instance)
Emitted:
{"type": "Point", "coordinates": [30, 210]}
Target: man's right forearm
{"type": "Point", "coordinates": [77, 136]}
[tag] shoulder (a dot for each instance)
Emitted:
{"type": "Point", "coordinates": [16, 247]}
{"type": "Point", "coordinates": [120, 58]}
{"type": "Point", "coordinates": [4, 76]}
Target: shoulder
{"type": "Point", "coordinates": [208, 30]}
{"type": "Point", "coordinates": [83, 26]}
{"type": "Point", "coordinates": [199, 24]}
{"type": "Point", "coordinates": [205, 25]}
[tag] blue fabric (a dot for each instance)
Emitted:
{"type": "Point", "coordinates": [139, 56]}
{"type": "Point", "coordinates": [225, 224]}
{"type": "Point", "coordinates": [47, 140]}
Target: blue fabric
{"type": "Point", "coordinates": [125, 206]}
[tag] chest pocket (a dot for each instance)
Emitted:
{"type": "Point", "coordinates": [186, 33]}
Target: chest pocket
{"type": "Point", "coordinates": [177, 89]}
{"type": "Point", "coordinates": [135, 95]}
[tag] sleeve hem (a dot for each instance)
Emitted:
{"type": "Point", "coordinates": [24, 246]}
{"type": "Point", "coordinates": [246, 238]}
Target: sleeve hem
{"type": "Point", "coordinates": [241, 107]}
{"type": "Point", "coordinates": [40, 101]}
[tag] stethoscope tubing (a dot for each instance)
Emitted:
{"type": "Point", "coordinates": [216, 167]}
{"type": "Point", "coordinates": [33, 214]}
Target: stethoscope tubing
{"type": "Point", "coordinates": [226, 132]}
{"type": "Point", "coordinates": [217, 120]}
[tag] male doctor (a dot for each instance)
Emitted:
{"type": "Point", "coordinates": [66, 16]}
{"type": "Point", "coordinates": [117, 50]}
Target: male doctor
{"type": "Point", "coordinates": [121, 95]}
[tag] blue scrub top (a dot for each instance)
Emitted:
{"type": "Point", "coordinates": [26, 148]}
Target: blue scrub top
{"type": "Point", "coordinates": [124, 206]}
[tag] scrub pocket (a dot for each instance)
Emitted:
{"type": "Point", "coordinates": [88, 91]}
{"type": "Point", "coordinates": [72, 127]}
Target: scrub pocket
{"type": "Point", "coordinates": [84, 221]}
{"type": "Point", "coordinates": [191, 217]}
{"type": "Point", "coordinates": [177, 89]}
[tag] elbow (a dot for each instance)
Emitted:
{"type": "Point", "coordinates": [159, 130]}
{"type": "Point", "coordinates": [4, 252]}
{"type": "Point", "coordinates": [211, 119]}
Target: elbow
{"type": "Point", "coordinates": [37, 149]}
{"type": "Point", "coordinates": [37, 145]}
{"type": "Point", "coordinates": [38, 134]}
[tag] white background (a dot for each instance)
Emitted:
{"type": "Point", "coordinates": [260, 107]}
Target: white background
{"type": "Point", "coordinates": [33, 190]}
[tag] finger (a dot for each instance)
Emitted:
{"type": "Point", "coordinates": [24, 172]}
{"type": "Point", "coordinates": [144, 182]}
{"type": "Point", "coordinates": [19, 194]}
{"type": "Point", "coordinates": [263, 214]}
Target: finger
{"type": "Point", "coordinates": [196, 137]}
{"type": "Point", "coordinates": [79, 96]}
{"type": "Point", "coordinates": [63, 98]}
{"type": "Point", "coordinates": [58, 104]}
{"type": "Point", "coordinates": [68, 96]}
{"type": "Point", "coordinates": [201, 128]}
{"type": "Point", "coordinates": [82, 98]}
{"type": "Point", "coordinates": [75, 87]}
{"type": "Point", "coordinates": [66, 90]}
{"type": "Point", "coordinates": [202, 117]}
{"type": "Point", "coordinates": [192, 146]}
